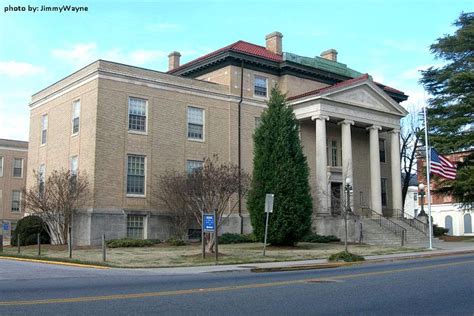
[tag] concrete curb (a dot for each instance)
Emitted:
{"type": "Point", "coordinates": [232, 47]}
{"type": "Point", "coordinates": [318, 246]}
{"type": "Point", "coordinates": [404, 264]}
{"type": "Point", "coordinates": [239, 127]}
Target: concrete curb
{"type": "Point", "coordinates": [62, 263]}
{"type": "Point", "coordinates": [331, 265]}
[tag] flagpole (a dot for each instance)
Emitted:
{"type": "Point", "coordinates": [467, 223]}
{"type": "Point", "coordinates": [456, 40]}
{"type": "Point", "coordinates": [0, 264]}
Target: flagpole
{"type": "Point", "coordinates": [428, 163]}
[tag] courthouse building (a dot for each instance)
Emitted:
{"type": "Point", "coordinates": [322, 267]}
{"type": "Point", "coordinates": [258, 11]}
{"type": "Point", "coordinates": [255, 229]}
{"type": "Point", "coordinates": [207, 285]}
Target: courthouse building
{"type": "Point", "coordinates": [123, 126]}
{"type": "Point", "coordinates": [13, 161]}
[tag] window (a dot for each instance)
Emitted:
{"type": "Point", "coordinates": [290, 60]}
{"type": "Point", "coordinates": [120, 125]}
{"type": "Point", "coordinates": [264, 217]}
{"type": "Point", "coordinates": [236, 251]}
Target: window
{"type": "Point", "coordinates": [192, 165]}
{"type": "Point", "coordinates": [41, 177]}
{"type": "Point", "coordinates": [382, 150]}
{"type": "Point", "coordinates": [136, 175]}
{"type": "Point", "coordinates": [258, 122]}
{"type": "Point", "coordinates": [137, 114]}
{"type": "Point", "coordinates": [415, 196]}
{"type": "Point", "coordinates": [384, 192]}
{"type": "Point", "coordinates": [135, 225]}
{"type": "Point", "coordinates": [17, 167]}
{"type": "Point", "coordinates": [260, 86]}
{"type": "Point", "coordinates": [74, 165]}
{"type": "Point", "coordinates": [195, 123]}
{"type": "Point", "coordinates": [76, 111]}
{"type": "Point", "coordinates": [1, 166]}
{"type": "Point", "coordinates": [44, 129]}
{"type": "Point", "coordinates": [333, 151]}
{"type": "Point", "coordinates": [16, 201]}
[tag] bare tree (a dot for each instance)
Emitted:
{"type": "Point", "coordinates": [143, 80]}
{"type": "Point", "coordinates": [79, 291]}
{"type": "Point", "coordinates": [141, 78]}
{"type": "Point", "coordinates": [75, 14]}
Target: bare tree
{"type": "Point", "coordinates": [204, 190]}
{"type": "Point", "coordinates": [54, 199]}
{"type": "Point", "coordinates": [411, 144]}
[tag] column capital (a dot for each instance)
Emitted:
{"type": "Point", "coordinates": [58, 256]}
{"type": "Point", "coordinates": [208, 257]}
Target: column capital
{"type": "Point", "coordinates": [320, 117]}
{"type": "Point", "coordinates": [394, 131]}
{"type": "Point", "coordinates": [346, 122]}
{"type": "Point", "coordinates": [376, 127]}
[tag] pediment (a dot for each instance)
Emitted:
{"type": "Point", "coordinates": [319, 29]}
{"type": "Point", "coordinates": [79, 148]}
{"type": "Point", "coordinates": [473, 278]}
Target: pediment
{"type": "Point", "coordinates": [369, 96]}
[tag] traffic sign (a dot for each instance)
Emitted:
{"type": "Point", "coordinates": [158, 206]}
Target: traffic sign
{"type": "Point", "coordinates": [208, 223]}
{"type": "Point", "coordinates": [6, 227]}
{"type": "Point", "coordinates": [269, 203]}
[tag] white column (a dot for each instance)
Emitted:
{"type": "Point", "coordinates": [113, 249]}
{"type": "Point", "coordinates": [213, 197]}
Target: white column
{"type": "Point", "coordinates": [321, 166]}
{"type": "Point", "coordinates": [346, 144]}
{"type": "Point", "coordinates": [396, 172]}
{"type": "Point", "coordinates": [375, 180]}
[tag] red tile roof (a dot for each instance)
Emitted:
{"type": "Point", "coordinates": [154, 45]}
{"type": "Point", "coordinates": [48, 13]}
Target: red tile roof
{"type": "Point", "coordinates": [337, 85]}
{"type": "Point", "coordinates": [240, 47]}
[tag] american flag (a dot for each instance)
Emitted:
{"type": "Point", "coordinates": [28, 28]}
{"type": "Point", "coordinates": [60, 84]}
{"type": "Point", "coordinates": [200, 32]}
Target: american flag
{"type": "Point", "coordinates": [441, 166]}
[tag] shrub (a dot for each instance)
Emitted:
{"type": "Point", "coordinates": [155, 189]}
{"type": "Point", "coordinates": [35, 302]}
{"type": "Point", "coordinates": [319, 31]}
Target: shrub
{"type": "Point", "coordinates": [176, 242]}
{"type": "Point", "coordinates": [346, 257]}
{"type": "Point", "coordinates": [127, 242]}
{"type": "Point", "coordinates": [439, 231]}
{"type": "Point", "coordinates": [28, 228]}
{"type": "Point", "coordinates": [320, 238]}
{"type": "Point", "coordinates": [229, 238]}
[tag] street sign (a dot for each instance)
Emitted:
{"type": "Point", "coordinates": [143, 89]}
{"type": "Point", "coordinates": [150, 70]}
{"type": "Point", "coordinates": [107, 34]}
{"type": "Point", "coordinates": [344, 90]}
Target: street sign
{"type": "Point", "coordinates": [208, 223]}
{"type": "Point", "coordinates": [6, 227]}
{"type": "Point", "coordinates": [269, 203]}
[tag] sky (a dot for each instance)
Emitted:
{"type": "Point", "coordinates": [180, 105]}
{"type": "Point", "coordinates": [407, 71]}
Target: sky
{"type": "Point", "coordinates": [388, 39]}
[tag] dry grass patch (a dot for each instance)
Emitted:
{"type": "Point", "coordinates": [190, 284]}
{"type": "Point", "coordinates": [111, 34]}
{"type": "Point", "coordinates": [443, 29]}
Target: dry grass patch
{"type": "Point", "coordinates": [163, 255]}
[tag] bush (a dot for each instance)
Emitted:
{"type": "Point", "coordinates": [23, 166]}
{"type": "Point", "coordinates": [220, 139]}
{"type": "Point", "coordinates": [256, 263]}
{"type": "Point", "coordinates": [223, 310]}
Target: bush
{"type": "Point", "coordinates": [229, 238]}
{"type": "Point", "coordinates": [319, 238]}
{"type": "Point", "coordinates": [346, 257]}
{"type": "Point", "coordinates": [28, 228]}
{"type": "Point", "coordinates": [439, 231]}
{"type": "Point", "coordinates": [176, 242]}
{"type": "Point", "coordinates": [127, 242]}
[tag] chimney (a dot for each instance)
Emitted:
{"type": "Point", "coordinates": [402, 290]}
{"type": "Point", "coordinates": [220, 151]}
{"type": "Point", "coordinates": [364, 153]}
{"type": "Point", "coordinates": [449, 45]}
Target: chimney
{"type": "Point", "coordinates": [274, 43]}
{"type": "Point", "coordinates": [330, 54]}
{"type": "Point", "coordinates": [173, 60]}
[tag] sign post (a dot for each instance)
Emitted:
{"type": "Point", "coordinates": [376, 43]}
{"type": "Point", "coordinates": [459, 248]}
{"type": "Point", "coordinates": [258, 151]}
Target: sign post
{"type": "Point", "coordinates": [215, 235]}
{"type": "Point", "coordinates": [268, 209]}
{"type": "Point", "coordinates": [208, 226]}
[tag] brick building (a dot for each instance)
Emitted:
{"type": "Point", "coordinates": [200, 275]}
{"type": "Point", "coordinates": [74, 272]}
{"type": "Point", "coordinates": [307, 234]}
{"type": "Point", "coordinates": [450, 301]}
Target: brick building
{"type": "Point", "coordinates": [444, 209]}
{"type": "Point", "coordinates": [123, 126]}
{"type": "Point", "coordinates": [13, 162]}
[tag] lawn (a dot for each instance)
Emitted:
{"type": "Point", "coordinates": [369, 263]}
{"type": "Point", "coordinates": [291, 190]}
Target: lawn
{"type": "Point", "coordinates": [164, 255]}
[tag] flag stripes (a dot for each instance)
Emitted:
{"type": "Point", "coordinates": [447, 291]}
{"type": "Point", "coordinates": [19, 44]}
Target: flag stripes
{"type": "Point", "coordinates": [442, 166]}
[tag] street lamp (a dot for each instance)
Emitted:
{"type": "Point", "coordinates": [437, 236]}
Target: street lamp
{"type": "Point", "coordinates": [348, 188]}
{"type": "Point", "coordinates": [422, 198]}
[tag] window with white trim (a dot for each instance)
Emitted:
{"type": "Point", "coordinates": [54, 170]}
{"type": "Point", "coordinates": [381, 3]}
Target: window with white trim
{"type": "Point", "coordinates": [1, 166]}
{"type": "Point", "coordinates": [16, 201]}
{"type": "Point", "coordinates": [384, 192]}
{"type": "Point", "coordinates": [195, 123]}
{"type": "Point", "coordinates": [41, 177]}
{"type": "Point", "coordinates": [137, 109]}
{"type": "Point", "coordinates": [260, 86]}
{"type": "Point", "coordinates": [333, 152]}
{"type": "Point", "coordinates": [74, 165]}
{"type": "Point", "coordinates": [17, 167]}
{"type": "Point", "coordinates": [136, 175]}
{"type": "Point", "coordinates": [382, 150]}
{"type": "Point", "coordinates": [76, 112]}
{"type": "Point", "coordinates": [258, 122]}
{"type": "Point", "coordinates": [135, 226]}
{"type": "Point", "coordinates": [193, 165]}
{"type": "Point", "coordinates": [44, 129]}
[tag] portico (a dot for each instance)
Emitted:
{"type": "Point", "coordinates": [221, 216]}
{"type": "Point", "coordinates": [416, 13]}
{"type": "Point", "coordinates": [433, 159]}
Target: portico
{"type": "Point", "coordinates": [360, 119]}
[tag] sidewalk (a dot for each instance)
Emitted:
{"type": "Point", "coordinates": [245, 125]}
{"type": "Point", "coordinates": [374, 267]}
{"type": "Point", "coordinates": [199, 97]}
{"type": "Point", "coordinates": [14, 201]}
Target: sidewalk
{"type": "Point", "coordinates": [439, 249]}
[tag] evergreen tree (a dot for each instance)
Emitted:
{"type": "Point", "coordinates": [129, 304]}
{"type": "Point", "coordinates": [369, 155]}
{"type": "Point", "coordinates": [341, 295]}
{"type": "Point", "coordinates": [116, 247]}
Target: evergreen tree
{"type": "Point", "coordinates": [280, 168]}
{"type": "Point", "coordinates": [451, 107]}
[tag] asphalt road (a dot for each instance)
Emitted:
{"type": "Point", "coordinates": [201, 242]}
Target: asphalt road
{"type": "Point", "coordinates": [443, 285]}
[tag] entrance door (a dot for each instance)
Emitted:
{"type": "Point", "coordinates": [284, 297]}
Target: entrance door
{"type": "Point", "coordinates": [336, 198]}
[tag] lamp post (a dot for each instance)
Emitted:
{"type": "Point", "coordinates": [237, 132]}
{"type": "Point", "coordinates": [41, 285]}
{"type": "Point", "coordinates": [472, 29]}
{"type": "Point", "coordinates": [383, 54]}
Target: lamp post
{"type": "Point", "coordinates": [348, 188]}
{"type": "Point", "coordinates": [422, 198]}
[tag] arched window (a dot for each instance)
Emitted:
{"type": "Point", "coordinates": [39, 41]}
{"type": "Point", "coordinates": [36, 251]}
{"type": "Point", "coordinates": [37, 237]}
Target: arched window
{"type": "Point", "coordinates": [467, 224]}
{"type": "Point", "coordinates": [448, 224]}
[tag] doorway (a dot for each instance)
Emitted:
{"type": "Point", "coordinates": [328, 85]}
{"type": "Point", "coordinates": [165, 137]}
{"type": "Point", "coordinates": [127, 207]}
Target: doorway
{"type": "Point", "coordinates": [336, 198]}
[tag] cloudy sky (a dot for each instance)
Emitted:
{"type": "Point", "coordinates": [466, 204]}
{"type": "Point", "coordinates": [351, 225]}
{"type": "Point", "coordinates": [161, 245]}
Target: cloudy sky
{"type": "Point", "coordinates": [387, 39]}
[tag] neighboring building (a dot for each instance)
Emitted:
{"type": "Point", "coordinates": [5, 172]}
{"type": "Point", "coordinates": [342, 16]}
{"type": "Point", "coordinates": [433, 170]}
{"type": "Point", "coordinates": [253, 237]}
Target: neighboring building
{"type": "Point", "coordinates": [124, 126]}
{"type": "Point", "coordinates": [13, 162]}
{"type": "Point", "coordinates": [444, 209]}
{"type": "Point", "coordinates": [411, 207]}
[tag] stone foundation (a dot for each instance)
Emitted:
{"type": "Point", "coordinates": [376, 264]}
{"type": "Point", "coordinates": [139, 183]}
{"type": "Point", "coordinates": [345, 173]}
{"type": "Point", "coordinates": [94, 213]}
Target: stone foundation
{"type": "Point", "coordinates": [329, 225]}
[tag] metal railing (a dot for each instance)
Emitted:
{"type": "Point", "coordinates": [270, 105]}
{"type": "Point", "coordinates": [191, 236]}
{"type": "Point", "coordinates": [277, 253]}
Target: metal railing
{"type": "Point", "coordinates": [410, 220]}
{"type": "Point", "coordinates": [385, 223]}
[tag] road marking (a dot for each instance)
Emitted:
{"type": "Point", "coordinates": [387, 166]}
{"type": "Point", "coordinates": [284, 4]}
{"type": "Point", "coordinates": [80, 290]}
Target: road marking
{"type": "Point", "coordinates": [220, 289]}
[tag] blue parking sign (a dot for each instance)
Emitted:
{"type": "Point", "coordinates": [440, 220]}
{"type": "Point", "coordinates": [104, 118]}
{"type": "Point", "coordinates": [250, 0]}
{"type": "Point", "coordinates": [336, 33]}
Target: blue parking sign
{"type": "Point", "coordinates": [6, 227]}
{"type": "Point", "coordinates": [208, 223]}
